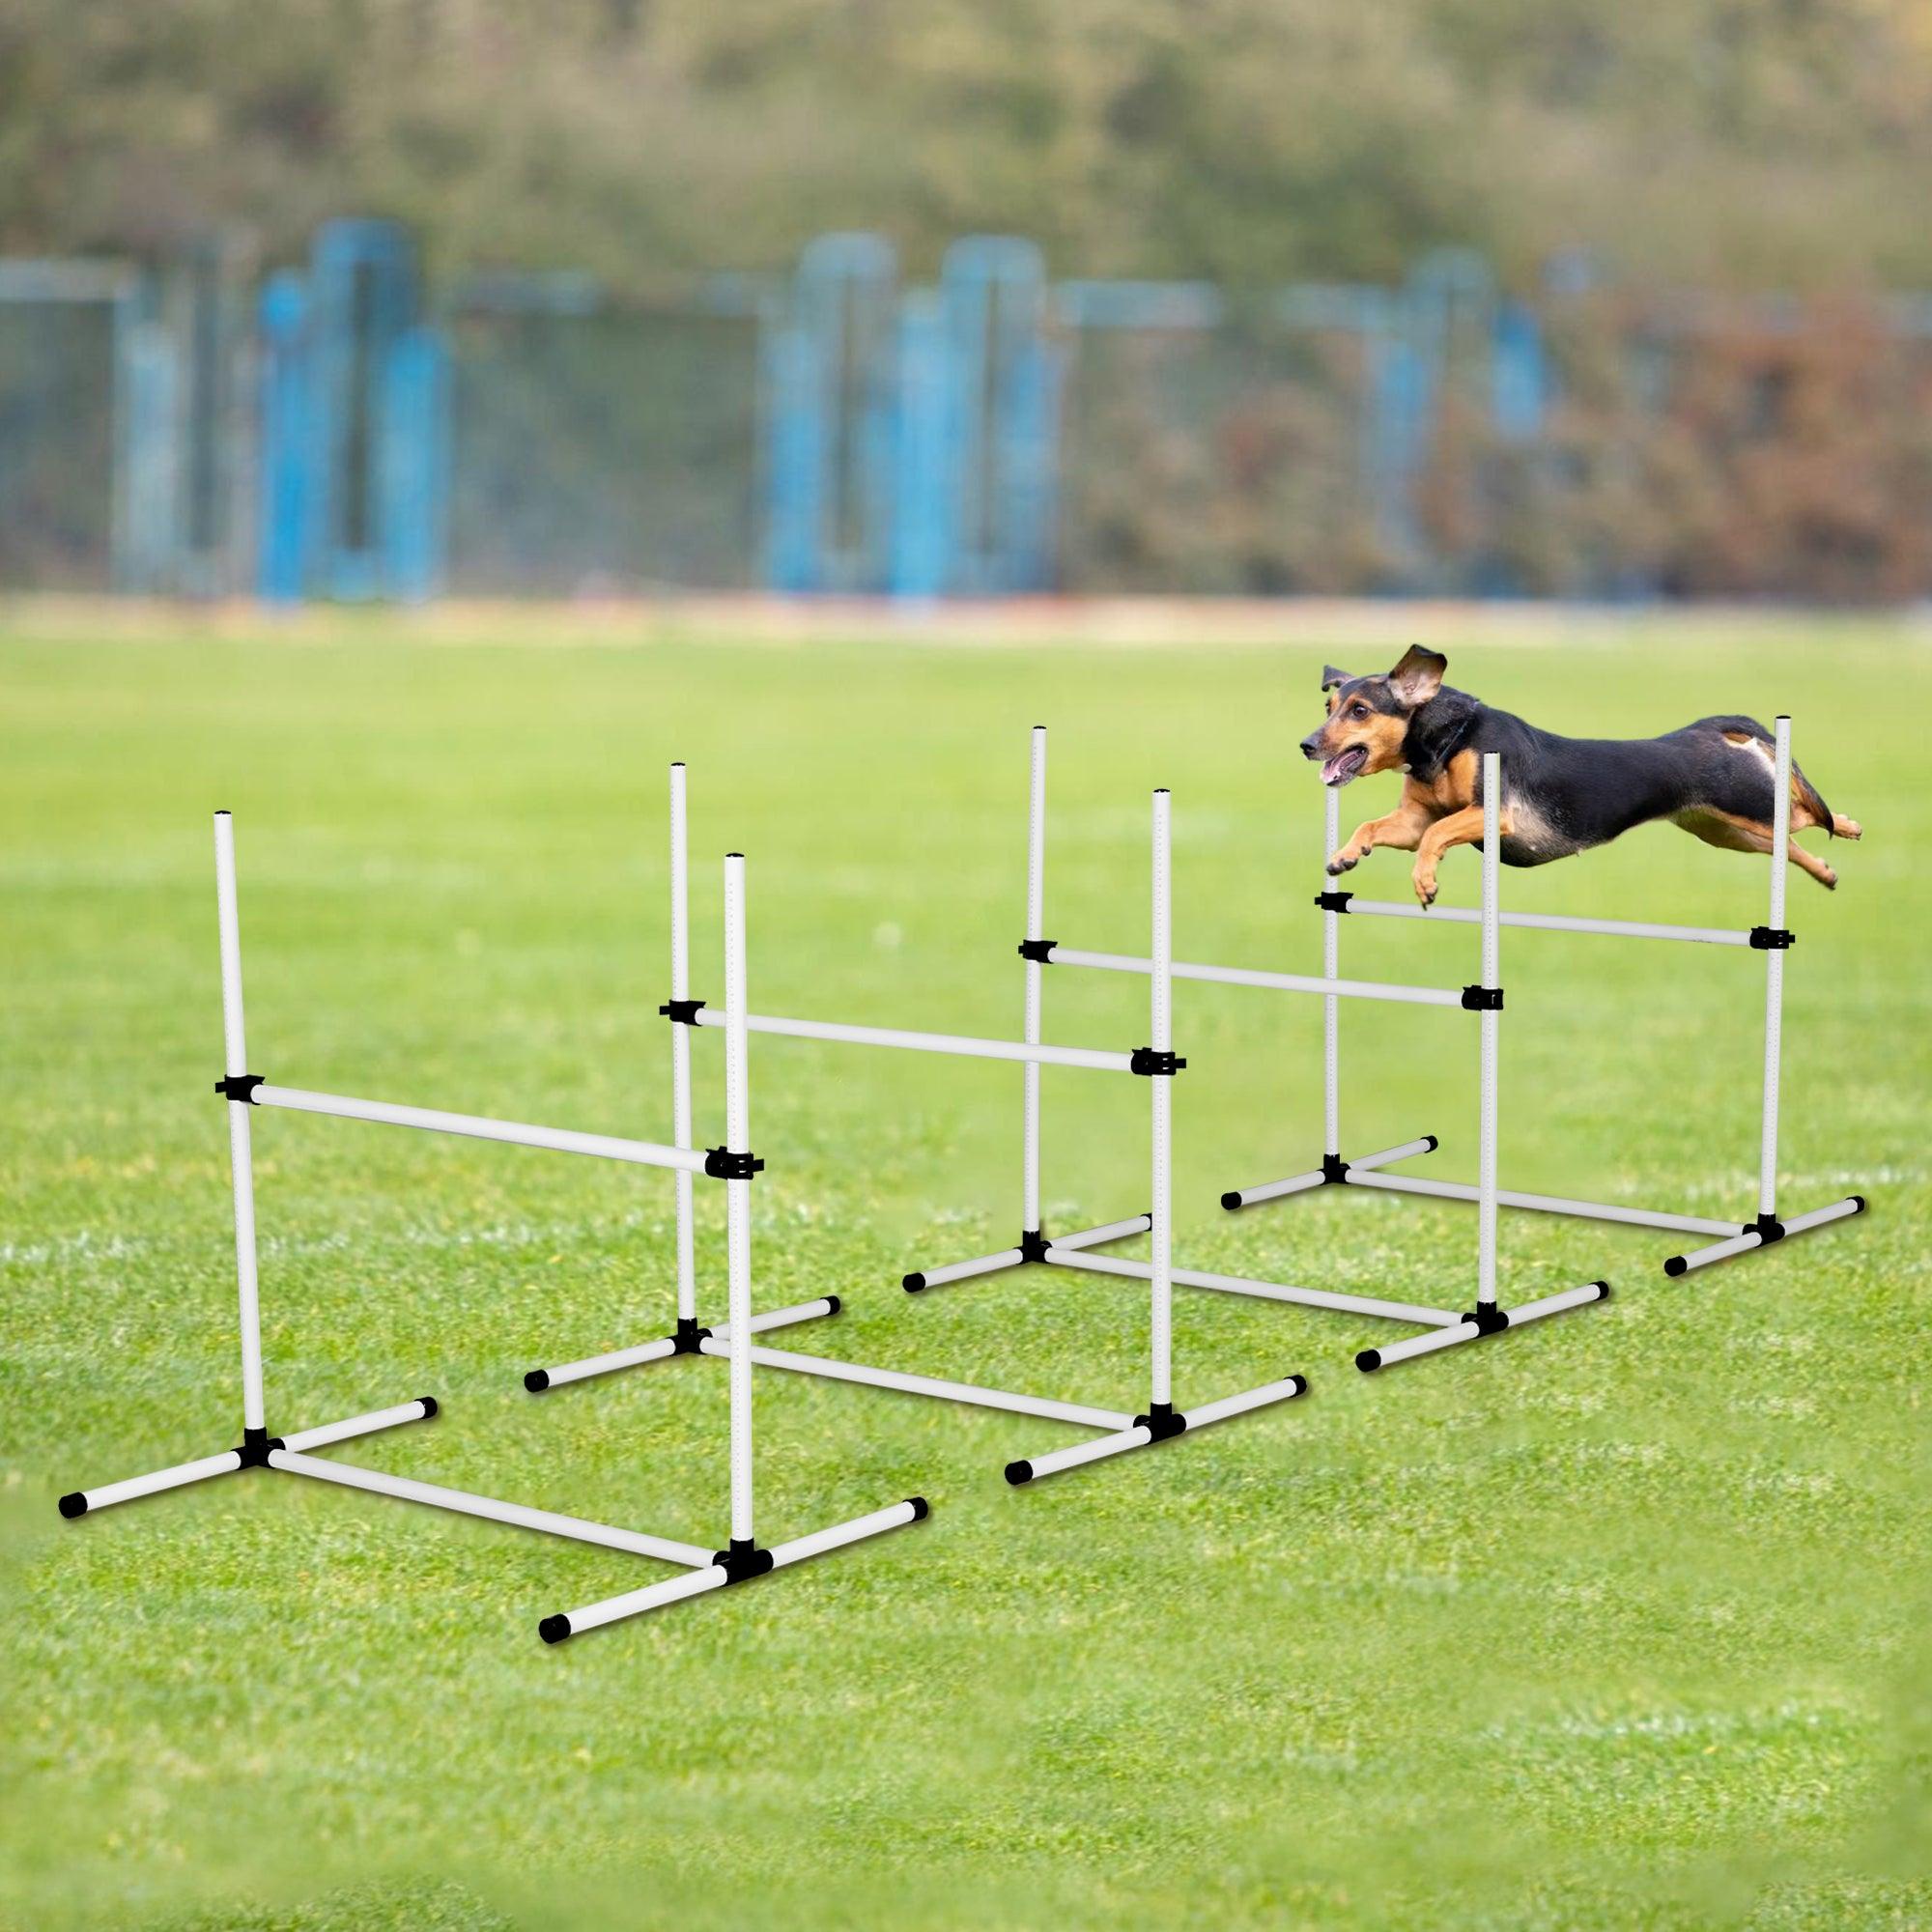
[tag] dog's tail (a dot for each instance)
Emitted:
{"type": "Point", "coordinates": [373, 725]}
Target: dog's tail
{"type": "Point", "coordinates": [1815, 799]}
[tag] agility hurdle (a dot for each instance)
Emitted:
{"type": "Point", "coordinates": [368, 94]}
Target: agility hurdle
{"type": "Point", "coordinates": [1448, 1328]}
{"type": "Point", "coordinates": [733, 1163]}
{"type": "Point", "coordinates": [1772, 939]}
{"type": "Point", "coordinates": [1157, 1062]}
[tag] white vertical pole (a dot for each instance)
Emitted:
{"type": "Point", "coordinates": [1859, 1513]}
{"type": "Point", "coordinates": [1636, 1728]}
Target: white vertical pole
{"type": "Point", "coordinates": [1774, 971]}
{"type": "Point", "coordinates": [1490, 1022]}
{"type": "Point", "coordinates": [738, 1199]}
{"type": "Point", "coordinates": [1331, 1007]}
{"type": "Point", "coordinates": [680, 1041]}
{"type": "Point", "coordinates": [1036, 915]}
{"type": "Point", "coordinates": [1161, 1024]}
{"type": "Point", "coordinates": [241, 1159]}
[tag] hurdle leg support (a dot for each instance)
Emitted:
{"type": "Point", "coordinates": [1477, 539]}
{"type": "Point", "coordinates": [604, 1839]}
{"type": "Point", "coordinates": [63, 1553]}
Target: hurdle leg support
{"type": "Point", "coordinates": [728, 1568]}
{"type": "Point", "coordinates": [686, 1341]}
{"type": "Point", "coordinates": [1155, 1428]}
{"type": "Point", "coordinates": [1764, 1236]}
{"type": "Point", "coordinates": [1479, 1326]}
{"type": "Point", "coordinates": [1033, 1247]}
{"type": "Point", "coordinates": [85, 1503]}
{"type": "Point", "coordinates": [1329, 1173]}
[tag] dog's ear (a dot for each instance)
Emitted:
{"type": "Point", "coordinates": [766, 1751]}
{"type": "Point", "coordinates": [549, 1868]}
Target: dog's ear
{"type": "Point", "coordinates": [1331, 677]}
{"type": "Point", "coordinates": [1418, 677]}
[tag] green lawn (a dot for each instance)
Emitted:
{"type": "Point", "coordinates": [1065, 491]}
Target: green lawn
{"type": "Point", "coordinates": [1617, 1622]}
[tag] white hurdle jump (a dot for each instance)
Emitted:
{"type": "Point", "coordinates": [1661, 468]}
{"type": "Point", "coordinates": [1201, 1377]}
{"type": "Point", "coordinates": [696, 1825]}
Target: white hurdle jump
{"type": "Point", "coordinates": [1121, 1430]}
{"type": "Point", "coordinates": [706, 1569]}
{"type": "Point", "coordinates": [1446, 1328]}
{"type": "Point", "coordinates": [1771, 940]}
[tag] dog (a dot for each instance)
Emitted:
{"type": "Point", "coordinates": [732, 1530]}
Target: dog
{"type": "Point", "coordinates": [1560, 795]}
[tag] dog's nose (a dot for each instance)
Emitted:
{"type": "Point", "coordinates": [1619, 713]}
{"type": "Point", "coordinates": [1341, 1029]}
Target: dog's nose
{"type": "Point", "coordinates": [1311, 745]}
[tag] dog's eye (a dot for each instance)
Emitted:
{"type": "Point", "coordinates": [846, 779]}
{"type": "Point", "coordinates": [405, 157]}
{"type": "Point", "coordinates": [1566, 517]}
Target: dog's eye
{"type": "Point", "coordinates": [1358, 709]}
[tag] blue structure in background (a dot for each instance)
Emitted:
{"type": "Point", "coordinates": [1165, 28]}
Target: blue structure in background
{"type": "Point", "coordinates": [353, 413]}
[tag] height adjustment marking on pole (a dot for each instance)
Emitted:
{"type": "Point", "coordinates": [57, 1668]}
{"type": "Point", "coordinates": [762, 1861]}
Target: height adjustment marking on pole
{"type": "Point", "coordinates": [1036, 950]}
{"type": "Point", "coordinates": [681, 1013]}
{"type": "Point", "coordinates": [1483, 999]}
{"type": "Point", "coordinates": [240, 1086]}
{"type": "Point", "coordinates": [724, 1164]}
{"type": "Point", "coordinates": [1333, 901]}
{"type": "Point", "coordinates": [1772, 939]}
{"type": "Point", "coordinates": [1150, 1059]}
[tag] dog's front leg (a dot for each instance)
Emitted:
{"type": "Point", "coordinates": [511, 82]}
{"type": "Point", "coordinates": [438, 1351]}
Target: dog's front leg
{"type": "Point", "coordinates": [1460, 828]}
{"type": "Point", "coordinates": [1402, 829]}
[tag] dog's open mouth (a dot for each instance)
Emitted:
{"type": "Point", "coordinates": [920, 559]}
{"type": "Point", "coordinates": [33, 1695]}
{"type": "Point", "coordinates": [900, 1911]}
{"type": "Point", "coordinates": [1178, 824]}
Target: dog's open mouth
{"type": "Point", "coordinates": [1345, 765]}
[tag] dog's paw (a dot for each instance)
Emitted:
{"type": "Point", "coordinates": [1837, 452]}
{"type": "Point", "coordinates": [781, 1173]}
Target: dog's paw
{"type": "Point", "coordinates": [1846, 828]}
{"type": "Point", "coordinates": [1344, 860]}
{"type": "Point", "coordinates": [1425, 887]}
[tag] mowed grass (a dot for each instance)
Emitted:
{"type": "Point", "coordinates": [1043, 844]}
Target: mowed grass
{"type": "Point", "coordinates": [1616, 1622]}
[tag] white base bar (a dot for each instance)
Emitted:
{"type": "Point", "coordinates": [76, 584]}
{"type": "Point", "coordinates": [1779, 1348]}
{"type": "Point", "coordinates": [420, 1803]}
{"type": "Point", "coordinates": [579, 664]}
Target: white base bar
{"type": "Point", "coordinates": [1085, 1238]}
{"type": "Point", "coordinates": [1111, 1231]}
{"type": "Point", "coordinates": [1261, 1291]}
{"type": "Point", "coordinates": [476, 1126]}
{"type": "Point", "coordinates": [83, 1502]}
{"type": "Point", "coordinates": [1139, 1435]}
{"type": "Point", "coordinates": [920, 1279]}
{"type": "Point", "coordinates": [540, 1379]}
{"type": "Point", "coordinates": [933, 1385]}
{"type": "Point", "coordinates": [1542, 921]}
{"type": "Point", "coordinates": [1244, 975]}
{"type": "Point", "coordinates": [419, 1410]}
{"type": "Point", "coordinates": [675, 1589]}
{"type": "Point", "coordinates": [463, 1503]}
{"type": "Point", "coordinates": [1372, 1359]}
{"type": "Point", "coordinates": [1742, 1244]}
{"type": "Point", "coordinates": [963, 1044]}
{"type": "Point", "coordinates": [1547, 1203]}
{"type": "Point", "coordinates": [1299, 1184]}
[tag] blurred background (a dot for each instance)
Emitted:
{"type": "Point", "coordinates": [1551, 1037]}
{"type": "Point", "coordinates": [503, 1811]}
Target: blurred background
{"type": "Point", "coordinates": [397, 298]}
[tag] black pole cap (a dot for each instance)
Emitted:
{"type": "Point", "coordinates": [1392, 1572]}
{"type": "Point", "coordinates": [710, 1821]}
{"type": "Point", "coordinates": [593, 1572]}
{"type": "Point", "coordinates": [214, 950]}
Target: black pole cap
{"type": "Point", "coordinates": [1433, 1142]}
{"type": "Point", "coordinates": [921, 1508]}
{"type": "Point", "coordinates": [553, 1629]}
{"type": "Point", "coordinates": [833, 1304]}
{"type": "Point", "coordinates": [1369, 1361]}
{"type": "Point", "coordinates": [1675, 1267]}
{"type": "Point", "coordinates": [537, 1380]}
{"type": "Point", "coordinates": [1301, 1384]}
{"type": "Point", "coordinates": [72, 1506]}
{"type": "Point", "coordinates": [913, 1282]}
{"type": "Point", "coordinates": [1018, 1473]}
{"type": "Point", "coordinates": [1860, 1200]}
{"type": "Point", "coordinates": [1232, 1198]}
{"type": "Point", "coordinates": [430, 1406]}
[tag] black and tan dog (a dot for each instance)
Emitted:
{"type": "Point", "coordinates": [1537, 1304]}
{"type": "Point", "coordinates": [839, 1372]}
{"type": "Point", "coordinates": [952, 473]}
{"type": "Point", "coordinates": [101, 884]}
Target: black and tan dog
{"type": "Point", "coordinates": [1560, 795]}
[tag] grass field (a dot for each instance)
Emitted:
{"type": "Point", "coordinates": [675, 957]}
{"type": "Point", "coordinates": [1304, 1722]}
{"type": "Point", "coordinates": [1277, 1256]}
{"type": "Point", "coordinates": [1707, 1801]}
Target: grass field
{"type": "Point", "coordinates": [1619, 1622]}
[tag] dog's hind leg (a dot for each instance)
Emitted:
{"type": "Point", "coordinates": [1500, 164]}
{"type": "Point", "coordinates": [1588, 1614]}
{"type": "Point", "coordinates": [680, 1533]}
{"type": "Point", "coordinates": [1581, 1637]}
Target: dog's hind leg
{"type": "Point", "coordinates": [1846, 828]}
{"type": "Point", "coordinates": [1745, 835]}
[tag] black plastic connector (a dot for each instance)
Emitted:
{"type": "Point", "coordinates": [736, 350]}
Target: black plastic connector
{"type": "Point", "coordinates": [536, 1380]}
{"type": "Point", "coordinates": [1149, 1060]}
{"type": "Point", "coordinates": [1768, 1227]}
{"type": "Point", "coordinates": [1491, 1320]}
{"type": "Point", "coordinates": [722, 1164]}
{"type": "Point", "coordinates": [255, 1446]}
{"type": "Point", "coordinates": [431, 1406]}
{"type": "Point", "coordinates": [912, 1282]}
{"type": "Point", "coordinates": [240, 1086]}
{"type": "Point", "coordinates": [1772, 939]}
{"type": "Point", "coordinates": [1333, 901]}
{"type": "Point", "coordinates": [1016, 1473]}
{"type": "Point", "coordinates": [688, 1336]}
{"type": "Point", "coordinates": [682, 1013]}
{"type": "Point", "coordinates": [743, 1560]}
{"type": "Point", "coordinates": [1036, 950]}
{"type": "Point", "coordinates": [1482, 998]}
{"type": "Point", "coordinates": [1335, 1170]}
{"type": "Point", "coordinates": [553, 1629]}
{"type": "Point", "coordinates": [74, 1504]}
{"type": "Point", "coordinates": [1033, 1245]}
{"type": "Point", "coordinates": [921, 1508]}
{"type": "Point", "coordinates": [1163, 1421]}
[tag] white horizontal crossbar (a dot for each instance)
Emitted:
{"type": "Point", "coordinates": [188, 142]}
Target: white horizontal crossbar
{"type": "Point", "coordinates": [462, 1503]}
{"type": "Point", "coordinates": [1549, 922]}
{"type": "Point", "coordinates": [1244, 975]}
{"type": "Point", "coordinates": [962, 1044]}
{"type": "Point", "coordinates": [1259, 1291]}
{"type": "Point", "coordinates": [931, 1385]}
{"type": "Point", "coordinates": [1545, 1204]}
{"type": "Point", "coordinates": [475, 1126]}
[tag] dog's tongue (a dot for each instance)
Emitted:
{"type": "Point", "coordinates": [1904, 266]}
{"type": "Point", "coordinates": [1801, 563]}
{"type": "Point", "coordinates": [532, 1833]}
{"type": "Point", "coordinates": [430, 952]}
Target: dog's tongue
{"type": "Point", "coordinates": [1343, 766]}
